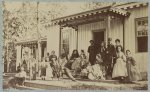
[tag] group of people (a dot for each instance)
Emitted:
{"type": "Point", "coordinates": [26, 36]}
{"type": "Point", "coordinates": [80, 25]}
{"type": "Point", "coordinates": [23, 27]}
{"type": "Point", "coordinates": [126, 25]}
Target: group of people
{"type": "Point", "coordinates": [103, 62]}
{"type": "Point", "coordinates": [48, 66]}
{"type": "Point", "coordinates": [53, 66]}
{"type": "Point", "coordinates": [115, 63]}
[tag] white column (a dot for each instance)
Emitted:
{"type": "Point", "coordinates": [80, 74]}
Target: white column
{"type": "Point", "coordinates": [39, 56]}
{"type": "Point", "coordinates": [18, 60]}
{"type": "Point", "coordinates": [39, 51]}
{"type": "Point", "coordinates": [29, 52]}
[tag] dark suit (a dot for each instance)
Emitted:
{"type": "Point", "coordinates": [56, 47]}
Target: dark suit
{"type": "Point", "coordinates": [102, 51]}
{"type": "Point", "coordinates": [92, 54]}
{"type": "Point", "coordinates": [110, 53]}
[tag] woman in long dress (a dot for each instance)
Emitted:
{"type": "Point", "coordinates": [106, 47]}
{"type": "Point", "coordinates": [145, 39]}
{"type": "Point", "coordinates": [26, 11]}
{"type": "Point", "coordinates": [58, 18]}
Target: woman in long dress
{"type": "Point", "coordinates": [49, 71]}
{"type": "Point", "coordinates": [99, 60]}
{"type": "Point", "coordinates": [32, 67]}
{"type": "Point", "coordinates": [96, 71]}
{"type": "Point", "coordinates": [24, 65]}
{"type": "Point", "coordinates": [133, 72]}
{"type": "Point", "coordinates": [93, 72]}
{"type": "Point", "coordinates": [120, 69]}
{"type": "Point", "coordinates": [43, 69]}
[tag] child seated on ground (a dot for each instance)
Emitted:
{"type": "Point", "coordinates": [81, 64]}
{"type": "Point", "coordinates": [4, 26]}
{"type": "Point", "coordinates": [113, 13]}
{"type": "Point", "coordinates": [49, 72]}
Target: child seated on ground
{"type": "Point", "coordinates": [18, 79]}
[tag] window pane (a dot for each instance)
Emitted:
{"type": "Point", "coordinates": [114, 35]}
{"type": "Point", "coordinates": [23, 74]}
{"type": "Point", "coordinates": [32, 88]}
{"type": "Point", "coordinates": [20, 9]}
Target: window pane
{"type": "Point", "coordinates": [141, 27]}
{"type": "Point", "coordinates": [142, 44]}
{"type": "Point", "coordinates": [143, 22]}
{"type": "Point", "coordinates": [139, 23]}
{"type": "Point", "coordinates": [65, 41]}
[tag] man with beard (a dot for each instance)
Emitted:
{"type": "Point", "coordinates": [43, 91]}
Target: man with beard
{"type": "Point", "coordinates": [110, 52]}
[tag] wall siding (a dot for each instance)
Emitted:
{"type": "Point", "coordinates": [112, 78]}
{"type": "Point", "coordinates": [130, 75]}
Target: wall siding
{"type": "Point", "coordinates": [85, 32]}
{"type": "Point", "coordinates": [130, 36]}
{"type": "Point", "coordinates": [53, 39]}
{"type": "Point", "coordinates": [116, 31]}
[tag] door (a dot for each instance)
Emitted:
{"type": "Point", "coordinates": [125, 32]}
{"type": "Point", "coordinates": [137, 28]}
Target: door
{"type": "Point", "coordinates": [98, 37]}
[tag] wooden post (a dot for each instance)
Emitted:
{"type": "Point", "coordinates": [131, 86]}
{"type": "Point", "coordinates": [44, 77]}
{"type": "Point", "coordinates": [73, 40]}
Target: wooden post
{"type": "Point", "coordinates": [76, 29]}
{"type": "Point", "coordinates": [60, 36]}
{"type": "Point", "coordinates": [123, 34]}
{"type": "Point", "coordinates": [108, 19]}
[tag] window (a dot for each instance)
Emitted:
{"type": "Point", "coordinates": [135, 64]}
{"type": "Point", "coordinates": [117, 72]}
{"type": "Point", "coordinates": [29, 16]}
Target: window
{"type": "Point", "coordinates": [142, 34]}
{"type": "Point", "coordinates": [65, 41]}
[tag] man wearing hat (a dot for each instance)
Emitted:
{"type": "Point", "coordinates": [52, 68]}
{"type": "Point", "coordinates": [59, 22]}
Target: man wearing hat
{"type": "Point", "coordinates": [110, 51]}
{"type": "Point", "coordinates": [92, 52]}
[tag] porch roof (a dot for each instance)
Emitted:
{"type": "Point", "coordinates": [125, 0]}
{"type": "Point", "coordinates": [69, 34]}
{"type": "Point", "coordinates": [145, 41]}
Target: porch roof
{"type": "Point", "coordinates": [107, 9]}
{"type": "Point", "coordinates": [33, 41]}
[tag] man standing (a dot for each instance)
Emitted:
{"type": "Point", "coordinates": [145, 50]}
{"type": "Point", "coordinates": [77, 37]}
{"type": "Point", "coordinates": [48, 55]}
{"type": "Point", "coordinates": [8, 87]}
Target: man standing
{"type": "Point", "coordinates": [110, 51]}
{"type": "Point", "coordinates": [92, 53]}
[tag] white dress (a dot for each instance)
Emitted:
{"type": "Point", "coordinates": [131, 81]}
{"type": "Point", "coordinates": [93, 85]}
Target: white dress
{"type": "Point", "coordinates": [49, 71]}
{"type": "Point", "coordinates": [120, 69]}
{"type": "Point", "coordinates": [93, 72]}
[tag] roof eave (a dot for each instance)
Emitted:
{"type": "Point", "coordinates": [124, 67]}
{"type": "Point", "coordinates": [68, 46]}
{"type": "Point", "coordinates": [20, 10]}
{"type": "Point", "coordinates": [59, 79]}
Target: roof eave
{"type": "Point", "coordinates": [92, 12]}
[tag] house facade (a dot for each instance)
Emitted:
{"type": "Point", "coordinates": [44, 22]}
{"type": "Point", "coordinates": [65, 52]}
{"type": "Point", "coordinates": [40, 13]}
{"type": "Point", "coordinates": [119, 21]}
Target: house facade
{"type": "Point", "coordinates": [127, 22]}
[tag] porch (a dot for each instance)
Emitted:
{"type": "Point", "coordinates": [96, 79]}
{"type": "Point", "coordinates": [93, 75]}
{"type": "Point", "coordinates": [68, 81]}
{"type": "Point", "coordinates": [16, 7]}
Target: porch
{"type": "Point", "coordinates": [25, 48]}
{"type": "Point", "coordinates": [97, 25]}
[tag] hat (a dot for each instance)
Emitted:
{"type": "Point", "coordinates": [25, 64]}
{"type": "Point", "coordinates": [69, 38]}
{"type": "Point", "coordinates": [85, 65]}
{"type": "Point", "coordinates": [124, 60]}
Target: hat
{"type": "Point", "coordinates": [109, 39]}
{"type": "Point", "coordinates": [91, 41]}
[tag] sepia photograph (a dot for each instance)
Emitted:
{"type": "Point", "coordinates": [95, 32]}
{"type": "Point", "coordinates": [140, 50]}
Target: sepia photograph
{"type": "Point", "coordinates": [80, 45]}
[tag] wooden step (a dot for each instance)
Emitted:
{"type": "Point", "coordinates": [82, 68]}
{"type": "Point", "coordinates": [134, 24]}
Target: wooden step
{"type": "Point", "coordinates": [57, 87]}
{"type": "Point", "coordinates": [45, 86]}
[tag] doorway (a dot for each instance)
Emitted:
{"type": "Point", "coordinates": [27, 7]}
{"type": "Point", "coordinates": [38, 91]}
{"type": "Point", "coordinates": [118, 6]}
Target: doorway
{"type": "Point", "coordinates": [98, 37]}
